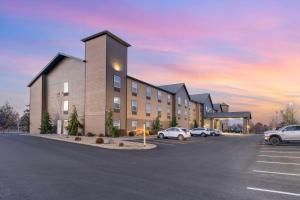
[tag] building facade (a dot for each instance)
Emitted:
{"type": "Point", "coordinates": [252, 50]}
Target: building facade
{"type": "Point", "coordinates": [100, 84]}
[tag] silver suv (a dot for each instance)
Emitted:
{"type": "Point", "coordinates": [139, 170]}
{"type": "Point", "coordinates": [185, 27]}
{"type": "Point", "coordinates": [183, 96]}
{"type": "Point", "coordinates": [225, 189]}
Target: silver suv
{"type": "Point", "coordinates": [284, 134]}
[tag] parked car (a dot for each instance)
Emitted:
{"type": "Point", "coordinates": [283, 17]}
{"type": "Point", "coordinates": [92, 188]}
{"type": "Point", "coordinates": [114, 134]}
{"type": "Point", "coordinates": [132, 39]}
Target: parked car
{"type": "Point", "coordinates": [200, 132]}
{"type": "Point", "coordinates": [284, 134]}
{"type": "Point", "coordinates": [214, 132]}
{"type": "Point", "coordinates": [174, 132]}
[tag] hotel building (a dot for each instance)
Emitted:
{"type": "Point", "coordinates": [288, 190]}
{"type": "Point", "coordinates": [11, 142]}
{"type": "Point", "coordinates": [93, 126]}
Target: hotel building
{"type": "Point", "coordinates": [100, 83]}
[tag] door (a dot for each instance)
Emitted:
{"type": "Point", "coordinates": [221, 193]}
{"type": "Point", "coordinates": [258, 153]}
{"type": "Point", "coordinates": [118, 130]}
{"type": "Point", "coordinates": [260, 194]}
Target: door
{"type": "Point", "coordinates": [295, 135]}
{"type": "Point", "coordinates": [288, 133]}
{"type": "Point", "coordinates": [65, 131]}
{"type": "Point", "coordinates": [58, 127]}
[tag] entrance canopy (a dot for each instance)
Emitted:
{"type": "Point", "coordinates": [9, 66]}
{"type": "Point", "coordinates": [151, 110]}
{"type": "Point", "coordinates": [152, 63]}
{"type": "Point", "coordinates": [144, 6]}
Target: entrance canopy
{"type": "Point", "coordinates": [228, 115]}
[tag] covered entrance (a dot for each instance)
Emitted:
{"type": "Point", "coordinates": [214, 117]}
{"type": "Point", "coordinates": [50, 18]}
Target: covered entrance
{"type": "Point", "coordinates": [220, 119]}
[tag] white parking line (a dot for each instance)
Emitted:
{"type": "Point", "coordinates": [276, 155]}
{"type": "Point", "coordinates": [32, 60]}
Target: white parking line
{"type": "Point", "coordinates": [280, 151]}
{"type": "Point", "coordinates": [271, 156]}
{"type": "Point", "coordinates": [273, 191]}
{"type": "Point", "coordinates": [280, 148]}
{"type": "Point", "coordinates": [279, 173]}
{"type": "Point", "coordinates": [280, 163]}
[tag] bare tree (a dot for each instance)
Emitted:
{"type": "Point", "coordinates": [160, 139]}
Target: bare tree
{"type": "Point", "coordinates": [288, 115]}
{"type": "Point", "coordinates": [8, 117]}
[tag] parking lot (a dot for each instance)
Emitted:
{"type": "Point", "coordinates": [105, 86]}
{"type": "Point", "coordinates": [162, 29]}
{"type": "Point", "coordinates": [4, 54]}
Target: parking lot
{"type": "Point", "coordinates": [225, 167]}
{"type": "Point", "coordinates": [276, 171]}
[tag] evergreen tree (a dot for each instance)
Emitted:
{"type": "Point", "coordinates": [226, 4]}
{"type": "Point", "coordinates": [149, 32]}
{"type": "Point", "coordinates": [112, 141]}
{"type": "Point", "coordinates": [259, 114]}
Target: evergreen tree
{"type": "Point", "coordinates": [46, 124]}
{"type": "Point", "coordinates": [156, 125]}
{"type": "Point", "coordinates": [195, 124]}
{"type": "Point", "coordinates": [173, 122]}
{"type": "Point", "coordinates": [24, 121]}
{"type": "Point", "coordinates": [111, 130]}
{"type": "Point", "coordinates": [73, 123]}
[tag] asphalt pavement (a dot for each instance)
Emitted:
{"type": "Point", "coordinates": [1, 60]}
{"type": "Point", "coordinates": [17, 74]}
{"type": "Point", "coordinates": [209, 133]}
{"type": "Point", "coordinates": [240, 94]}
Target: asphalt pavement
{"type": "Point", "coordinates": [226, 167]}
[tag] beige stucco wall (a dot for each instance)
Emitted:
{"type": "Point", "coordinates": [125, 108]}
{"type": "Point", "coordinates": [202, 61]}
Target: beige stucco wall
{"type": "Point", "coordinates": [72, 71]}
{"type": "Point", "coordinates": [36, 101]}
{"type": "Point", "coordinates": [141, 117]}
{"type": "Point", "coordinates": [95, 82]}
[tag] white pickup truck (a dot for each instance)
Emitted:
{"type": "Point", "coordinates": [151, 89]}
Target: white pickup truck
{"type": "Point", "coordinates": [284, 134]}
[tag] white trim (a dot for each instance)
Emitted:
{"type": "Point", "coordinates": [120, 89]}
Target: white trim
{"type": "Point", "coordinates": [273, 191]}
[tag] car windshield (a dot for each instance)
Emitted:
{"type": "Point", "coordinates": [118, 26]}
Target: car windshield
{"type": "Point", "coordinates": [184, 129]}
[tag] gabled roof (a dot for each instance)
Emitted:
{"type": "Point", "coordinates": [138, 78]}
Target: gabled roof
{"type": "Point", "coordinates": [201, 98]}
{"type": "Point", "coordinates": [106, 32]}
{"type": "Point", "coordinates": [245, 114]}
{"type": "Point", "coordinates": [51, 65]}
{"type": "Point", "coordinates": [217, 107]}
{"type": "Point", "coordinates": [174, 88]}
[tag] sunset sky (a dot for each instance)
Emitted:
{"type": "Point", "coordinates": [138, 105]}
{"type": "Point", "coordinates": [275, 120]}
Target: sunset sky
{"type": "Point", "coordinates": [245, 53]}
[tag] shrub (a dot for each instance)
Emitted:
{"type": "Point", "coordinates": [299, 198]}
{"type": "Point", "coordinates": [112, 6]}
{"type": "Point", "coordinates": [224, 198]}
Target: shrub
{"type": "Point", "coordinates": [101, 135]}
{"type": "Point", "coordinates": [121, 144]}
{"type": "Point", "coordinates": [89, 134]}
{"type": "Point", "coordinates": [131, 133]}
{"type": "Point", "coordinates": [77, 138]}
{"type": "Point", "coordinates": [46, 124]}
{"type": "Point", "coordinates": [99, 140]}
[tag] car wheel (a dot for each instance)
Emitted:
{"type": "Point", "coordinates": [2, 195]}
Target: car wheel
{"type": "Point", "coordinates": [274, 141]}
{"type": "Point", "coordinates": [180, 137]}
{"type": "Point", "coordinates": [192, 135]}
{"type": "Point", "coordinates": [213, 134]}
{"type": "Point", "coordinates": [161, 136]}
{"type": "Point", "coordinates": [203, 134]}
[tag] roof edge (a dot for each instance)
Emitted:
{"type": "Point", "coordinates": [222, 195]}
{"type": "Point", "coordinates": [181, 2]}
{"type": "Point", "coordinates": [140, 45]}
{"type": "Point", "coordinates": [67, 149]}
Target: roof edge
{"type": "Point", "coordinates": [57, 58]}
{"type": "Point", "coordinates": [106, 32]}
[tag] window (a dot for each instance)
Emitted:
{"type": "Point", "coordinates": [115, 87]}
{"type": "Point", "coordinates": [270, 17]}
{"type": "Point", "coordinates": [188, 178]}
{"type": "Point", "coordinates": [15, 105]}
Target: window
{"type": "Point", "coordinates": [178, 112]}
{"type": "Point", "coordinates": [117, 82]}
{"type": "Point", "coordinates": [66, 107]}
{"type": "Point", "coordinates": [66, 88]}
{"type": "Point", "coordinates": [148, 92]}
{"type": "Point", "coordinates": [159, 97]}
{"type": "Point", "coordinates": [168, 112]}
{"type": "Point", "coordinates": [159, 110]}
{"type": "Point", "coordinates": [134, 88]}
{"type": "Point", "coordinates": [117, 103]}
{"type": "Point", "coordinates": [185, 103]}
{"type": "Point", "coordinates": [179, 101]}
{"type": "Point", "coordinates": [290, 128]}
{"type": "Point", "coordinates": [148, 125]}
{"type": "Point", "coordinates": [117, 123]}
{"type": "Point", "coordinates": [148, 109]}
{"type": "Point", "coordinates": [134, 106]}
{"type": "Point", "coordinates": [133, 125]}
{"type": "Point", "coordinates": [168, 99]}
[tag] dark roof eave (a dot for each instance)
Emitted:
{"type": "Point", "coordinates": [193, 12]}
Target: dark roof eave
{"type": "Point", "coordinates": [106, 32]}
{"type": "Point", "coordinates": [158, 88]}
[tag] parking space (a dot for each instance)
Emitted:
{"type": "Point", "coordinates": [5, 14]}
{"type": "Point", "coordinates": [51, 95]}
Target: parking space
{"type": "Point", "coordinates": [276, 172]}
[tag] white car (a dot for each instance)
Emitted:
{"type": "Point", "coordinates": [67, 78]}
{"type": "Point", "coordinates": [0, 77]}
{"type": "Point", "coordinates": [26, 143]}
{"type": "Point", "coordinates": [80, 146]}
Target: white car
{"type": "Point", "coordinates": [174, 132]}
{"type": "Point", "coordinates": [284, 134]}
{"type": "Point", "coordinates": [214, 132]}
{"type": "Point", "coordinates": [200, 131]}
